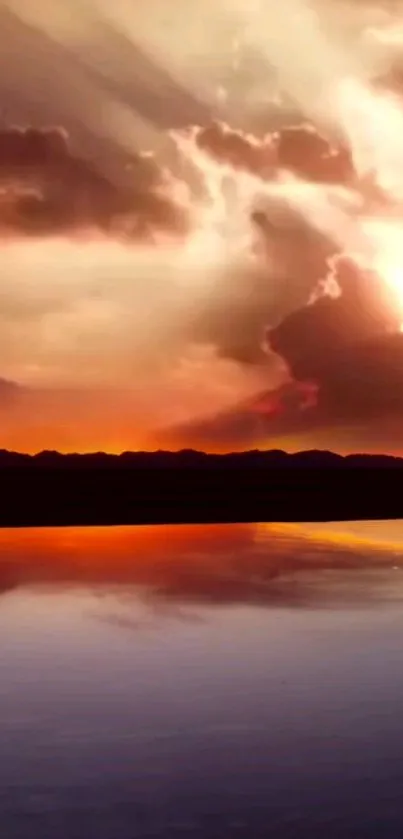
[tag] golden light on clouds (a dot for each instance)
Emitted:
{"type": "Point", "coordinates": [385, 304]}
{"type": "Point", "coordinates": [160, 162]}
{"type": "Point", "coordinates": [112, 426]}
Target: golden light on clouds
{"type": "Point", "coordinates": [139, 262]}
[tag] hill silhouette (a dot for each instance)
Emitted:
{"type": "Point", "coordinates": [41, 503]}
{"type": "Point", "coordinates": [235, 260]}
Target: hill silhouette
{"type": "Point", "coordinates": [165, 487]}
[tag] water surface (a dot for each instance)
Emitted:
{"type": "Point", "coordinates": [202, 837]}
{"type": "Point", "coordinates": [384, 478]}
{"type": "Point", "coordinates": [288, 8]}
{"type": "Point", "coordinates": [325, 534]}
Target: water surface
{"type": "Point", "coordinates": [223, 681]}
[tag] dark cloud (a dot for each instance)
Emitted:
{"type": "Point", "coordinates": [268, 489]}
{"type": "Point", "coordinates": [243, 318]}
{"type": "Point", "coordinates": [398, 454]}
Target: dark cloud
{"type": "Point", "coordinates": [300, 149]}
{"type": "Point", "coordinates": [350, 348]}
{"type": "Point", "coordinates": [310, 337]}
{"type": "Point", "coordinates": [304, 151]}
{"type": "Point", "coordinates": [345, 363]}
{"type": "Point", "coordinates": [21, 149]}
{"type": "Point", "coordinates": [45, 188]}
{"type": "Point", "coordinates": [238, 149]}
{"type": "Point", "coordinates": [365, 381]}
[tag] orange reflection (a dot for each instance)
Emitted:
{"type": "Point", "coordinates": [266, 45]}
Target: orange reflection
{"type": "Point", "coordinates": [215, 563]}
{"type": "Point", "coordinates": [371, 535]}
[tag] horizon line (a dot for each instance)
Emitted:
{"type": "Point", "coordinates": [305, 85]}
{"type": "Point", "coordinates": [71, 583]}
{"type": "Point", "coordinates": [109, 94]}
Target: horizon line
{"type": "Point", "coordinates": [198, 452]}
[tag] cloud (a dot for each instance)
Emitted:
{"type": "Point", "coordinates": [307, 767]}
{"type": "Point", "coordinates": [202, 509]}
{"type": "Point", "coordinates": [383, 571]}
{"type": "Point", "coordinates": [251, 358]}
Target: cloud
{"type": "Point", "coordinates": [238, 149]}
{"type": "Point", "coordinates": [365, 382]}
{"type": "Point", "coordinates": [45, 189]}
{"type": "Point", "coordinates": [344, 359]}
{"type": "Point", "coordinates": [350, 348]}
{"type": "Point", "coordinates": [300, 149]}
{"type": "Point", "coordinates": [308, 338]}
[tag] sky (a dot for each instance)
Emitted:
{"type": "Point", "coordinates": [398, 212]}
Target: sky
{"type": "Point", "coordinates": [200, 224]}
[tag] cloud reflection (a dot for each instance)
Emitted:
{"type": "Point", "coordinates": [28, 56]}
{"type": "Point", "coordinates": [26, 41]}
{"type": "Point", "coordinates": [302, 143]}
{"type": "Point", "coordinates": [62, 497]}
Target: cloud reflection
{"type": "Point", "coordinates": [263, 565]}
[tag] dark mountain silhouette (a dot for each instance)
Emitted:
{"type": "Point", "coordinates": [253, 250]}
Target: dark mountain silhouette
{"type": "Point", "coordinates": [190, 486]}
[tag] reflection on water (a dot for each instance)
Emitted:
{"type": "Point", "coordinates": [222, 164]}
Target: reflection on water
{"type": "Point", "coordinates": [224, 681]}
{"type": "Point", "coordinates": [207, 564]}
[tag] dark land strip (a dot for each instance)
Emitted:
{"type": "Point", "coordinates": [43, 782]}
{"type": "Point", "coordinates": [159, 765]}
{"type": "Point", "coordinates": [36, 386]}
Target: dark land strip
{"type": "Point", "coordinates": [189, 487]}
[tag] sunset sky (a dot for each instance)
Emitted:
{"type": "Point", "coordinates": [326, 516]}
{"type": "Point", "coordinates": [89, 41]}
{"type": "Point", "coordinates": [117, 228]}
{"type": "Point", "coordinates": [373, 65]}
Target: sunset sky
{"type": "Point", "coordinates": [201, 224]}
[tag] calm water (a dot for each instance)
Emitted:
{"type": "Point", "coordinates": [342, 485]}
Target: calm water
{"type": "Point", "coordinates": [226, 681]}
